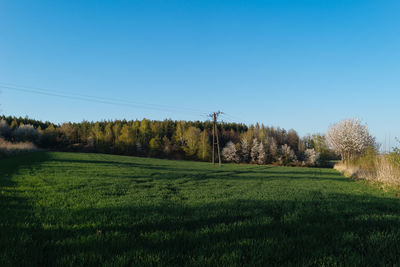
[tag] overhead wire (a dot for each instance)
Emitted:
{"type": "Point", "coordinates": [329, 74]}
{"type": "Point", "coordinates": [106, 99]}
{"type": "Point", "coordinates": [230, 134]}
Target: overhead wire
{"type": "Point", "coordinates": [232, 117]}
{"type": "Point", "coordinates": [97, 99]}
{"type": "Point", "coordinates": [112, 101]}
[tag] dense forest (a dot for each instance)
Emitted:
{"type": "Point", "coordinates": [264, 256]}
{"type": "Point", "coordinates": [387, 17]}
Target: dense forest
{"type": "Point", "coordinates": [172, 139]}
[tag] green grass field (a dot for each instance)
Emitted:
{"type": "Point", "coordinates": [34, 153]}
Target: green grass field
{"type": "Point", "coordinates": [73, 209]}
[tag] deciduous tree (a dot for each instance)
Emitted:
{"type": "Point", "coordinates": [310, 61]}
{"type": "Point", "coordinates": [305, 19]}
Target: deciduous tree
{"type": "Point", "coordinates": [229, 152]}
{"type": "Point", "coordinates": [287, 154]}
{"type": "Point", "coordinates": [204, 146]}
{"type": "Point", "coordinates": [191, 141]}
{"type": "Point", "coordinates": [349, 138]}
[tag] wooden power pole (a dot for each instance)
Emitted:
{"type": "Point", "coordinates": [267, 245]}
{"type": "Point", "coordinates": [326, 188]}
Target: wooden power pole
{"type": "Point", "coordinates": [214, 116]}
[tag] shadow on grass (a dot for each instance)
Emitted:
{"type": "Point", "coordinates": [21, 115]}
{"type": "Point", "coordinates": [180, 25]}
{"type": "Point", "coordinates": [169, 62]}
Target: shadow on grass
{"type": "Point", "coordinates": [18, 225]}
{"type": "Point", "coordinates": [328, 229]}
{"type": "Point", "coordinates": [177, 172]}
{"type": "Point", "coordinates": [347, 231]}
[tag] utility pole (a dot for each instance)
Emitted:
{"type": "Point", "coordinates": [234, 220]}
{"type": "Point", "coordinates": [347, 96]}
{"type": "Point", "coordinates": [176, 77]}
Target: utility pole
{"type": "Point", "coordinates": [214, 116]}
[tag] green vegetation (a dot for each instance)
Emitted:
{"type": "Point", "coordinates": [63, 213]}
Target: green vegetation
{"type": "Point", "coordinates": [169, 139]}
{"type": "Point", "coordinates": [94, 209]}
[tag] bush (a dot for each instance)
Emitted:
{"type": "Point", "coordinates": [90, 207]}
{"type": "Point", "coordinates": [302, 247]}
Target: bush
{"type": "Point", "coordinates": [287, 155]}
{"type": "Point", "coordinates": [8, 148]}
{"type": "Point", "coordinates": [229, 153]}
{"type": "Point", "coordinates": [387, 172]}
{"type": "Point", "coordinates": [26, 133]}
{"type": "Point", "coordinates": [4, 129]}
{"type": "Point", "coordinates": [394, 157]}
{"type": "Point", "coordinates": [384, 169]}
{"type": "Point", "coordinates": [311, 157]}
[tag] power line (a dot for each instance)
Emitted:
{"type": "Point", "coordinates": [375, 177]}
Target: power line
{"type": "Point", "coordinates": [112, 101]}
{"type": "Point", "coordinates": [96, 99]}
{"type": "Point", "coordinates": [232, 117]}
{"type": "Point", "coordinates": [36, 89]}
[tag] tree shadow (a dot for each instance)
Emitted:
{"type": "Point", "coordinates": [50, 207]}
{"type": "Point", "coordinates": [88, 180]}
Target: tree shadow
{"type": "Point", "coordinates": [351, 230]}
{"type": "Point", "coordinates": [18, 224]}
{"type": "Point", "coordinates": [318, 229]}
{"type": "Point", "coordinates": [172, 172]}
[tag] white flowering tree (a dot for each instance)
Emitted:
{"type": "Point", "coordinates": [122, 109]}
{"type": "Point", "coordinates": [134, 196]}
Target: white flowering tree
{"type": "Point", "coordinates": [349, 138]}
{"type": "Point", "coordinates": [311, 156]}
{"type": "Point", "coordinates": [271, 148]}
{"type": "Point", "coordinates": [244, 150]}
{"type": "Point", "coordinates": [229, 152]}
{"type": "Point", "coordinates": [258, 154]}
{"type": "Point", "coordinates": [254, 151]}
{"type": "Point", "coordinates": [262, 156]}
{"type": "Point", "coordinates": [287, 154]}
{"type": "Point", "coordinates": [26, 133]}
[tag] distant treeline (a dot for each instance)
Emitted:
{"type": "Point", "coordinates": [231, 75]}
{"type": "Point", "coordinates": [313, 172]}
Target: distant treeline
{"type": "Point", "coordinates": [172, 139]}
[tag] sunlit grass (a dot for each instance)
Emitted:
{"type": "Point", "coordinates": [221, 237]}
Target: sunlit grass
{"type": "Point", "coordinates": [94, 209]}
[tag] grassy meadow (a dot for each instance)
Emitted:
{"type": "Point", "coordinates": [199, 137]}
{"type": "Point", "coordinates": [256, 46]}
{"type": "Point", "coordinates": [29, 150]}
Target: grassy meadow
{"type": "Point", "coordinates": [72, 209]}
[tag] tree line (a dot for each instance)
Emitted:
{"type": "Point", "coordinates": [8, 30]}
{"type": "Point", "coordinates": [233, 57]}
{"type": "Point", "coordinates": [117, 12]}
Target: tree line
{"type": "Point", "coordinates": [192, 140]}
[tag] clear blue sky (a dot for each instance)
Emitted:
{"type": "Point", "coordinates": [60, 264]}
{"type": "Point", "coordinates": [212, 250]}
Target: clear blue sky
{"type": "Point", "coordinates": [294, 64]}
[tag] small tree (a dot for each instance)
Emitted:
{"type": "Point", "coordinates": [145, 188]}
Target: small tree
{"type": "Point", "coordinates": [26, 133]}
{"type": "Point", "coordinates": [155, 146]}
{"type": "Point", "coordinates": [287, 154]}
{"type": "Point", "coordinates": [254, 151]}
{"type": "Point", "coordinates": [14, 125]}
{"type": "Point", "coordinates": [262, 157]}
{"type": "Point", "coordinates": [244, 150]}
{"type": "Point", "coordinates": [116, 130]}
{"type": "Point", "coordinates": [311, 156]}
{"type": "Point", "coordinates": [108, 134]}
{"type": "Point", "coordinates": [179, 133]}
{"type": "Point", "coordinates": [272, 149]}
{"type": "Point", "coordinates": [4, 129]}
{"type": "Point", "coordinates": [166, 146]}
{"type": "Point", "coordinates": [127, 139]}
{"type": "Point", "coordinates": [204, 146]}
{"type": "Point", "coordinates": [229, 152]}
{"type": "Point", "coordinates": [48, 137]}
{"type": "Point", "coordinates": [349, 138]}
{"type": "Point", "coordinates": [191, 137]}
